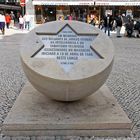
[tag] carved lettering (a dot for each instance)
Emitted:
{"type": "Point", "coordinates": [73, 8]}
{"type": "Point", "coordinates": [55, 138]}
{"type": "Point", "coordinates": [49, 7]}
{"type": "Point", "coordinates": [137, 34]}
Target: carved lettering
{"type": "Point", "coordinates": [67, 47]}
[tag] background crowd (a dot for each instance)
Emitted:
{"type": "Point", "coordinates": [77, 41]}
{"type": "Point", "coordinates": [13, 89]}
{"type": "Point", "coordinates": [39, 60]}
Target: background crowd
{"type": "Point", "coordinates": [10, 21]}
{"type": "Point", "coordinates": [132, 27]}
{"type": "Point", "coordinates": [108, 23]}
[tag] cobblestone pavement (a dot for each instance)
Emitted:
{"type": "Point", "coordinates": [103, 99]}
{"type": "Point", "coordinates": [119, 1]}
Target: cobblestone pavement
{"type": "Point", "coordinates": [124, 82]}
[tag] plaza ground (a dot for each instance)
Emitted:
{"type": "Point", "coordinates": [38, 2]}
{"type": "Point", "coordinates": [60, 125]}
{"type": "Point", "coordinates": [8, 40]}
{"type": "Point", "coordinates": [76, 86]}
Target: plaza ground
{"type": "Point", "coordinates": [124, 81]}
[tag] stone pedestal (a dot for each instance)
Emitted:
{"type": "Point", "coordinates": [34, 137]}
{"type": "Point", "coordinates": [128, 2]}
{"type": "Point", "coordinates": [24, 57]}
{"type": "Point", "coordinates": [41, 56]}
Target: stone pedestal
{"type": "Point", "coordinates": [34, 114]}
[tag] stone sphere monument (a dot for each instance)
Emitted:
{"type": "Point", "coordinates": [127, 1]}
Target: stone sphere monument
{"type": "Point", "coordinates": [67, 60]}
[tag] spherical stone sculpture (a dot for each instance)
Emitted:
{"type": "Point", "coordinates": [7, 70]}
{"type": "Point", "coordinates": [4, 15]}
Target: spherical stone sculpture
{"type": "Point", "coordinates": [67, 60]}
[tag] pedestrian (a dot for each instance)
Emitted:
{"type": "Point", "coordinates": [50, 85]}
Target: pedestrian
{"type": "Point", "coordinates": [125, 19]}
{"type": "Point", "coordinates": [18, 16]}
{"type": "Point", "coordinates": [129, 28]}
{"type": "Point", "coordinates": [119, 22]}
{"type": "Point", "coordinates": [27, 21]}
{"type": "Point", "coordinates": [70, 17]}
{"type": "Point", "coordinates": [8, 20]}
{"type": "Point", "coordinates": [101, 24]}
{"type": "Point", "coordinates": [108, 23]}
{"type": "Point", "coordinates": [92, 22]}
{"type": "Point", "coordinates": [12, 19]}
{"type": "Point", "coordinates": [84, 18]}
{"type": "Point", "coordinates": [21, 22]}
{"type": "Point", "coordinates": [137, 29]}
{"type": "Point", "coordinates": [2, 22]}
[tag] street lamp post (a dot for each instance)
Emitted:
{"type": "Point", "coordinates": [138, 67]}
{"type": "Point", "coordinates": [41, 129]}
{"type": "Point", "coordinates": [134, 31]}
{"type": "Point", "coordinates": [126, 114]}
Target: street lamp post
{"type": "Point", "coordinates": [22, 11]}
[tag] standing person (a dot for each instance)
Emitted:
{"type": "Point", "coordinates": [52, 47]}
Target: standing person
{"type": "Point", "coordinates": [70, 17]}
{"type": "Point", "coordinates": [137, 29]}
{"type": "Point", "coordinates": [18, 16]}
{"type": "Point", "coordinates": [27, 21]}
{"type": "Point", "coordinates": [84, 18]}
{"type": "Point", "coordinates": [125, 19]}
{"type": "Point", "coordinates": [101, 24]}
{"type": "Point", "coordinates": [12, 19]}
{"type": "Point", "coordinates": [129, 28]}
{"type": "Point", "coordinates": [73, 15]}
{"type": "Point", "coordinates": [8, 20]}
{"type": "Point", "coordinates": [21, 22]}
{"type": "Point", "coordinates": [108, 23]}
{"type": "Point", "coordinates": [92, 22]}
{"type": "Point", "coordinates": [119, 22]}
{"type": "Point", "coordinates": [2, 22]}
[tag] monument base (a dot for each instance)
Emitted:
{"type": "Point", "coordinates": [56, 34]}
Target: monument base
{"type": "Point", "coordinates": [33, 114]}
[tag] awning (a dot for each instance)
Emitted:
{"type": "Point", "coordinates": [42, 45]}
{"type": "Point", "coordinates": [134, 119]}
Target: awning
{"type": "Point", "coordinates": [117, 3]}
{"type": "Point", "coordinates": [88, 2]}
{"type": "Point", "coordinates": [11, 7]}
{"type": "Point", "coordinates": [63, 2]}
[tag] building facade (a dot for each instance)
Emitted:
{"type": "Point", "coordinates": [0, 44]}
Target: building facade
{"type": "Point", "coordinates": [10, 5]}
{"type": "Point", "coordinates": [83, 10]}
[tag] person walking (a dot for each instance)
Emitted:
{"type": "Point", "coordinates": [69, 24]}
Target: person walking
{"type": "Point", "coordinates": [21, 22]}
{"type": "Point", "coordinates": [8, 20]}
{"type": "Point", "coordinates": [12, 19]}
{"type": "Point", "coordinates": [92, 22]}
{"type": "Point", "coordinates": [108, 23]}
{"type": "Point", "coordinates": [137, 29]}
{"type": "Point", "coordinates": [27, 21]}
{"type": "Point", "coordinates": [2, 22]}
{"type": "Point", "coordinates": [119, 22]}
{"type": "Point", "coordinates": [129, 28]}
{"type": "Point", "coordinates": [101, 24]}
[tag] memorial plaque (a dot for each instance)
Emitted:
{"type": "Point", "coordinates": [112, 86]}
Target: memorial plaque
{"type": "Point", "coordinates": [67, 60]}
{"type": "Point", "coordinates": [67, 47]}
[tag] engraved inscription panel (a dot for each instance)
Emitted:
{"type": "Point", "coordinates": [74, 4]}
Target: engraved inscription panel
{"type": "Point", "coordinates": [67, 47]}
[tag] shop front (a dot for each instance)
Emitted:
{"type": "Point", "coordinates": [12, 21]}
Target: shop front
{"type": "Point", "coordinates": [65, 10]}
{"type": "Point", "coordinates": [125, 7]}
{"type": "Point", "coordinates": [45, 13]}
{"type": "Point", "coordinates": [48, 10]}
